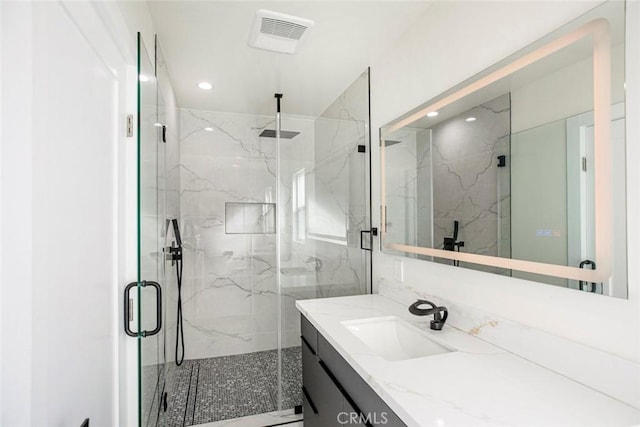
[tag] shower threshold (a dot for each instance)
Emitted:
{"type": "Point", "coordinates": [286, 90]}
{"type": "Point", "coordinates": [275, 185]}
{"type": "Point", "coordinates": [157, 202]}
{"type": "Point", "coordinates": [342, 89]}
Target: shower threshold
{"type": "Point", "coordinates": [286, 418]}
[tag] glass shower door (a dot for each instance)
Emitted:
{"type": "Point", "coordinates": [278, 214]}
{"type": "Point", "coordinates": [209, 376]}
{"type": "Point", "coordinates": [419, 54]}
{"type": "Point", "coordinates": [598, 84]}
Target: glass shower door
{"type": "Point", "coordinates": [324, 214]}
{"type": "Point", "coordinates": [151, 229]}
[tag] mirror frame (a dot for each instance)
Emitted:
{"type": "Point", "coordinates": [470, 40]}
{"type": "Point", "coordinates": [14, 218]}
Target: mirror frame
{"type": "Point", "coordinates": [599, 30]}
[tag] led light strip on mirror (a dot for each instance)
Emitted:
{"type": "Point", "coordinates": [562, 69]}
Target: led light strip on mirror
{"type": "Point", "coordinates": [599, 32]}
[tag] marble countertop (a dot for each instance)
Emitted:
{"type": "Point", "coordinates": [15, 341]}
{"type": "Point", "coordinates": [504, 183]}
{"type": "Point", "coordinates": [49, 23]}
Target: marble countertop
{"type": "Point", "coordinates": [476, 385]}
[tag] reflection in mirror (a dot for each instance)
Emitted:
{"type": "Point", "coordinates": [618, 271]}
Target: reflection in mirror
{"type": "Point", "coordinates": [447, 182]}
{"type": "Point", "coordinates": [509, 173]}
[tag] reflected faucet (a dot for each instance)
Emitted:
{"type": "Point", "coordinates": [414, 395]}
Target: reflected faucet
{"type": "Point", "coordinates": [438, 321]}
{"type": "Point", "coordinates": [316, 260]}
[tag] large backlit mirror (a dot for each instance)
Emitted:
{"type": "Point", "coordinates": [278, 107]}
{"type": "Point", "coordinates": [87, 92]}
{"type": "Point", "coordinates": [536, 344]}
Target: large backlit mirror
{"type": "Point", "coordinates": [520, 171]}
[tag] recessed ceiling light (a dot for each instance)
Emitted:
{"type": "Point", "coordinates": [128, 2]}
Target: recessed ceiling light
{"type": "Point", "coordinates": [432, 114]}
{"type": "Point", "coordinates": [235, 166]}
{"type": "Point", "coordinates": [208, 129]}
{"type": "Point", "coordinates": [143, 78]}
{"type": "Point", "coordinates": [470, 119]}
{"type": "Point", "coordinates": [205, 85]}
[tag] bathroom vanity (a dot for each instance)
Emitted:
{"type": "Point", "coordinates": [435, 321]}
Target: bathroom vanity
{"type": "Point", "coordinates": [333, 393]}
{"type": "Point", "coordinates": [368, 355]}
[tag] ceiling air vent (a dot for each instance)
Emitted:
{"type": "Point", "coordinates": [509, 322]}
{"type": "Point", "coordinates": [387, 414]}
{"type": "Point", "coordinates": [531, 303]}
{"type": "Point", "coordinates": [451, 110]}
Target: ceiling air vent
{"type": "Point", "coordinates": [278, 32]}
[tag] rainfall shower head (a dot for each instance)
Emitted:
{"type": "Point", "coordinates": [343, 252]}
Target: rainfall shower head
{"type": "Point", "coordinates": [284, 134]}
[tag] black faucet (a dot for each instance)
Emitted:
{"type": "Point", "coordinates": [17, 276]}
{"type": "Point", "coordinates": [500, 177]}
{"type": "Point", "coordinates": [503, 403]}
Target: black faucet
{"type": "Point", "coordinates": [438, 321]}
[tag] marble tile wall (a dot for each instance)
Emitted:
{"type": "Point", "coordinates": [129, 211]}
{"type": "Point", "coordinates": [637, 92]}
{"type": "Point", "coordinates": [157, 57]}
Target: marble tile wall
{"type": "Point", "coordinates": [465, 178]}
{"type": "Point", "coordinates": [339, 198]}
{"type": "Point", "coordinates": [328, 261]}
{"type": "Point", "coordinates": [409, 216]}
{"type": "Point", "coordinates": [159, 200]}
{"type": "Point", "coordinates": [298, 278]}
{"type": "Point", "coordinates": [230, 295]}
{"type": "Point", "coordinates": [151, 211]}
{"type": "Point", "coordinates": [503, 182]}
{"type": "Point", "coordinates": [401, 186]}
{"type": "Point", "coordinates": [231, 302]}
{"type": "Point", "coordinates": [424, 193]}
{"type": "Point", "coordinates": [172, 206]}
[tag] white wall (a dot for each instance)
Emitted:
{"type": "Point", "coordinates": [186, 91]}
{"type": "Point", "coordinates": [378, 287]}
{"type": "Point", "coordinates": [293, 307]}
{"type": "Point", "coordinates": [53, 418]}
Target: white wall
{"type": "Point", "coordinates": [16, 375]}
{"type": "Point", "coordinates": [564, 93]}
{"type": "Point", "coordinates": [401, 162]}
{"type": "Point", "coordinates": [138, 19]}
{"type": "Point", "coordinates": [1, 234]}
{"type": "Point", "coordinates": [497, 30]}
{"type": "Point", "coordinates": [63, 103]}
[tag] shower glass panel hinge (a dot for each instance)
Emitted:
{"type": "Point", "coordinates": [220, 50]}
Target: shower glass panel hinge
{"type": "Point", "coordinates": [129, 125]}
{"type": "Point", "coordinates": [362, 148]}
{"type": "Point", "coordinates": [164, 134]}
{"type": "Point", "coordinates": [584, 164]}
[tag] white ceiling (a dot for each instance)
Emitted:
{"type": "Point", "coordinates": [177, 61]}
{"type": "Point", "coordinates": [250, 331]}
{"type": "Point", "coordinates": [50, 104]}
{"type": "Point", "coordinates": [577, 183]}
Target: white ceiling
{"type": "Point", "coordinates": [207, 40]}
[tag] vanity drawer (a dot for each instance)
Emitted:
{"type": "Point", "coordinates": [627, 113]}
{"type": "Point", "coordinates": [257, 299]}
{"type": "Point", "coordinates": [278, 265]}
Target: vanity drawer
{"type": "Point", "coordinates": [309, 334]}
{"type": "Point", "coordinates": [309, 411]}
{"type": "Point", "coordinates": [324, 398]}
{"type": "Point", "coordinates": [311, 372]}
{"type": "Point", "coordinates": [356, 388]}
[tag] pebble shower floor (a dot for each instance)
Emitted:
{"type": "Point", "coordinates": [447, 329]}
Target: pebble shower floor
{"type": "Point", "coordinates": [226, 387]}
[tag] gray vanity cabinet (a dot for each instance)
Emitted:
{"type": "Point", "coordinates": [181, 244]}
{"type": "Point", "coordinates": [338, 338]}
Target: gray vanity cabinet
{"type": "Point", "coordinates": [333, 393]}
{"type": "Point", "coordinates": [322, 396]}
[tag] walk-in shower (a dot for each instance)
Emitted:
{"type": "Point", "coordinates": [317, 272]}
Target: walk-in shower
{"type": "Point", "coordinates": [255, 198]}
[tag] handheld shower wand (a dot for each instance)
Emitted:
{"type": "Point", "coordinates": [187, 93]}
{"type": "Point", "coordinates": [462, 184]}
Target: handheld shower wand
{"type": "Point", "coordinates": [175, 255]}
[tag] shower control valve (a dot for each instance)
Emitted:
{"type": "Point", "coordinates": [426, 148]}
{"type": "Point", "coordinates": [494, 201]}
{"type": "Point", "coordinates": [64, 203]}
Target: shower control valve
{"type": "Point", "coordinates": [173, 253]}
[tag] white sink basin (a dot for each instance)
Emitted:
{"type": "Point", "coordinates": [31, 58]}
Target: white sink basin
{"type": "Point", "coordinates": [393, 338]}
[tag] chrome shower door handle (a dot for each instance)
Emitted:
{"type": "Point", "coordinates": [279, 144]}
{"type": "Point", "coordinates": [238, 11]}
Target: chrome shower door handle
{"type": "Point", "coordinates": [128, 309]}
